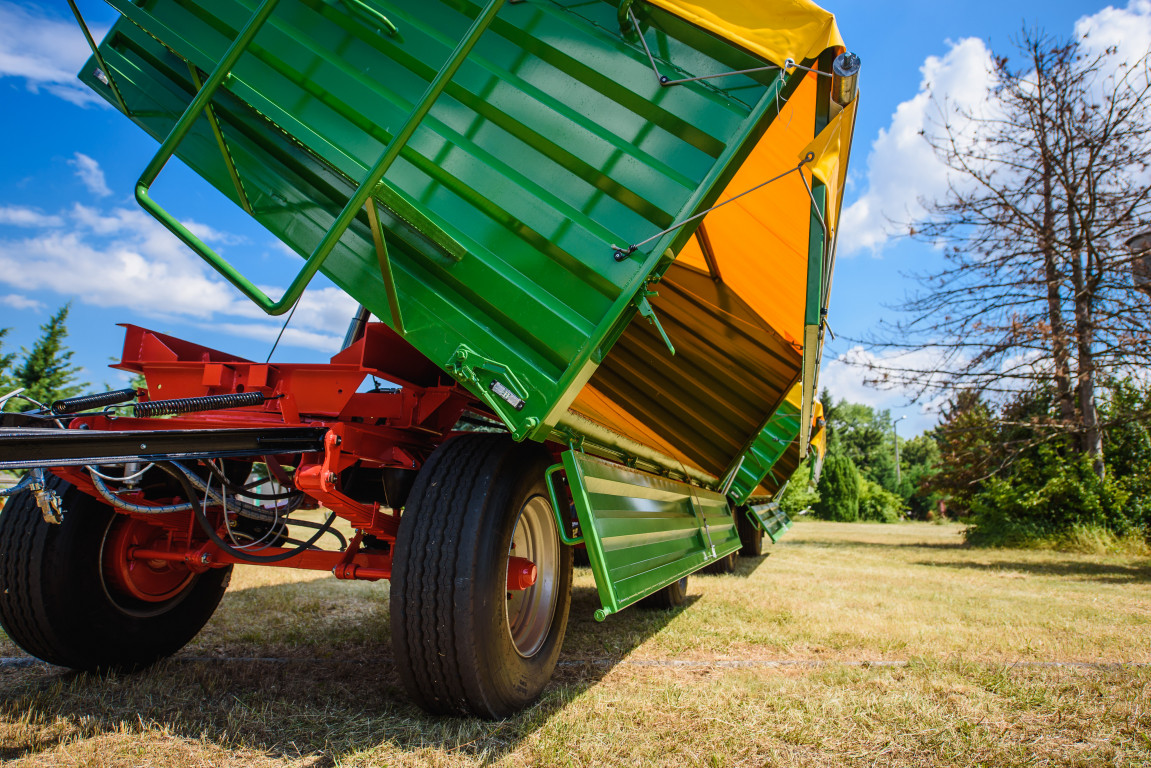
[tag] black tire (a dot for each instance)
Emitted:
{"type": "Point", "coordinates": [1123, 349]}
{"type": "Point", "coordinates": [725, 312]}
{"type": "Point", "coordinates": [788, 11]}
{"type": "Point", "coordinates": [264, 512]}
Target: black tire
{"type": "Point", "coordinates": [749, 534]}
{"type": "Point", "coordinates": [671, 596]}
{"type": "Point", "coordinates": [451, 631]}
{"type": "Point", "coordinates": [57, 603]}
{"type": "Point", "coordinates": [722, 566]}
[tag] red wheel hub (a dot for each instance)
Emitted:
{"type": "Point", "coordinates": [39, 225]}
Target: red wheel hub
{"type": "Point", "coordinates": [152, 581]}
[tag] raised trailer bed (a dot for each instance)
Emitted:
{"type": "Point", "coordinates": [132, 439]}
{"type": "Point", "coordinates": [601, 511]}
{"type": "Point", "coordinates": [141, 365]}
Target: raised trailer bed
{"type": "Point", "coordinates": [599, 240]}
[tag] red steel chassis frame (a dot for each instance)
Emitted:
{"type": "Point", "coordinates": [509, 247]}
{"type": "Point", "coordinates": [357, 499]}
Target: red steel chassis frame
{"type": "Point", "coordinates": [397, 428]}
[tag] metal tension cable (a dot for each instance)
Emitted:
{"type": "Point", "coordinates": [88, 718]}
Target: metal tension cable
{"type": "Point", "coordinates": [664, 80]}
{"type": "Point", "coordinates": [622, 253]}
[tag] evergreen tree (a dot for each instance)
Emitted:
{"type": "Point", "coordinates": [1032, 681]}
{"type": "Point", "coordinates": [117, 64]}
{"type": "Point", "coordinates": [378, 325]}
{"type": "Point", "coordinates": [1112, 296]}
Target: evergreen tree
{"type": "Point", "coordinates": [46, 371]}
{"type": "Point", "coordinates": [6, 382]}
{"type": "Point", "coordinates": [839, 486]}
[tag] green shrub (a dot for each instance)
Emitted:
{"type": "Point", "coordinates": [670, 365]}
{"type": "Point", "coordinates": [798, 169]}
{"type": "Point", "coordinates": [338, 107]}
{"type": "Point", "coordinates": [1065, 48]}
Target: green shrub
{"type": "Point", "coordinates": [878, 504]}
{"type": "Point", "coordinates": [799, 497]}
{"type": "Point", "coordinates": [1046, 498]}
{"type": "Point", "coordinates": [838, 490]}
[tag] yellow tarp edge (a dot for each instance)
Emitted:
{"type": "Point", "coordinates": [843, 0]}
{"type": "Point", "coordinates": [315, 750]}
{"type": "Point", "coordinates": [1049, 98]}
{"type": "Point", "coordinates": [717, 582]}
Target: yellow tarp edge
{"type": "Point", "coordinates": [831, 150]}
{"type": "Point", "coordinates": [777, 30]}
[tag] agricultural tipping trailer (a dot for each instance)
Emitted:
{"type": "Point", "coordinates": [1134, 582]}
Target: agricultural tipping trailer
{"type": "Point", "coordinates": [598, 238]}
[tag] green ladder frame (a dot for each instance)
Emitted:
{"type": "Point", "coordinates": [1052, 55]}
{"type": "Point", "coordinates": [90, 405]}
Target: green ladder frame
{"type": "Point", "coordinates": [367, 187]}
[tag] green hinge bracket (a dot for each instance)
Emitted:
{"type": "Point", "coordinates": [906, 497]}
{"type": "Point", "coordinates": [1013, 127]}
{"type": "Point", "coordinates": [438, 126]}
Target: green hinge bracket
{"type": "Point", "coordinates": [644, 306]}
{"type": "Point", "coordinates": [502, 391]}
{"type": "Point", "coordinates": [561, 524]}
{"type": "Point", "coordinates": [222, 74]}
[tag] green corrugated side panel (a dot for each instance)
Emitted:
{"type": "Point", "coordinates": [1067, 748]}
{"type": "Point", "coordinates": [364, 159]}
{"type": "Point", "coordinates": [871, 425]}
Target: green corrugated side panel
{"type": "Point", "coordinates": [771, 519]}
{"type": "Point", "coordinates": [553, 141]}
{"type": "Point", "coordinates": [642, 531]}
{"type": "Point", "coordinates": [781, 430]}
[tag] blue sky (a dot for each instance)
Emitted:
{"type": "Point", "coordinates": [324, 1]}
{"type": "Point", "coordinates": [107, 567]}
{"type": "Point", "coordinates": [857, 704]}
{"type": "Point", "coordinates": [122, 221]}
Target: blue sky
{"type": "Point", "coordinates": [70, 231]}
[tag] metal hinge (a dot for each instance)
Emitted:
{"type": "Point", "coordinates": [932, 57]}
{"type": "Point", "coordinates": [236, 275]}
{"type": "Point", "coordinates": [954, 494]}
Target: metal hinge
{"type": "Point", "coordinates": [502, 389]}
{"type": "Point", "coordinates": [645, 309]}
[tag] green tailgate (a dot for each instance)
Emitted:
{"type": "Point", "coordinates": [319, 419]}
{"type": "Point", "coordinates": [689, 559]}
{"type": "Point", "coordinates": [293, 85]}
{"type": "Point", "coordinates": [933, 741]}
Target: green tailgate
{"type": "Point", "coordinates": [643, 532]}
{"type": "Point", "coordinates": [551, 142]}
{"type": "Point", "coordinates": [771, 519]}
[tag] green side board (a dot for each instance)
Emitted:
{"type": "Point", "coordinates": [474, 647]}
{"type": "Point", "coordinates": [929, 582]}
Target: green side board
{"type": "Point", "coordinates": [770, 519]}
{"type": "Point", "coordinates": [644, 532]}
{"type": "Point", "coordinates": [551, 142]}
{"type": "Point", "coordinates": [780, 431]}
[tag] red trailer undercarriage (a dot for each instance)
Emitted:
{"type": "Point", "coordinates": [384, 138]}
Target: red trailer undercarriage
{"type": "Point", "coordinates": [372, 445]}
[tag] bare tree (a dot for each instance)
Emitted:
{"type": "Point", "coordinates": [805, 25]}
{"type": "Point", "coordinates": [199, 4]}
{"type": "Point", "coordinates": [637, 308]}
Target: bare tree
{"type": "Point", "coordinates": [1047, 184]}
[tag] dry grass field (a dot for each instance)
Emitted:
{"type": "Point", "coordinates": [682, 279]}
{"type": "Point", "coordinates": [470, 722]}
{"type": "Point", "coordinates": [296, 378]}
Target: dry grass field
{"type": "Point", "coordinates": [850, 645]}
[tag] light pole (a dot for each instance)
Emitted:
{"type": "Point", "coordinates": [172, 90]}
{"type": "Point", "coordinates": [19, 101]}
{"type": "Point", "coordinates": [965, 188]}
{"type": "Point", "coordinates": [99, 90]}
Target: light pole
{"type": "Point", "coordinates": [1140, 246]}
{"type": "Point", "coordinates": [895, 431]}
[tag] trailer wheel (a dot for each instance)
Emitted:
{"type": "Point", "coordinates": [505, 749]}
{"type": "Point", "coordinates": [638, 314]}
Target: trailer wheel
{"type": "Point", "coordinates": [750, 534]}
{"type": "Point", "coordinates": [464, 642]}
{"type": "Point", "coordinates": [70, 596]}
{"type": "Point", "coordinates": [671, 596]}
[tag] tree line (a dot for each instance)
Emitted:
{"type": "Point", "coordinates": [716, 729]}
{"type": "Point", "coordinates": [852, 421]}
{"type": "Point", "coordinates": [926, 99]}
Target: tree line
{"type": "Point", "coordinates": [1047, 494]}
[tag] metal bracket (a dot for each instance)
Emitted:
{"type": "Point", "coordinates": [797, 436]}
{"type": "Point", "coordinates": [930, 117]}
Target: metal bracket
{"type": "Point", "coordinates": [644, 307]}
{"type": "Point", "coordinates": [502, 391]}
{"type": "Point", "coordinates": [554, 497]}
{"type": "Point", "coordinates": [626, 20]}
{"type": "Point", "coordinates": [47, 500]}
{"type": "Point", "coordinates": [725, 489]}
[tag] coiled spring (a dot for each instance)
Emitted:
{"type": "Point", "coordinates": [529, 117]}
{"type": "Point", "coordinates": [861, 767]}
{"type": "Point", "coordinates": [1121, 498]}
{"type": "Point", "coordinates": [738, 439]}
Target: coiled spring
{"type": "Point", "coordinates": [98, 400]}
{"type": "Point", "coordinates": [192, 404]}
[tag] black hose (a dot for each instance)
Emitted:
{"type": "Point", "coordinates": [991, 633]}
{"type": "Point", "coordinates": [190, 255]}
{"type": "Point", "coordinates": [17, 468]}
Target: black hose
{"type": "Point", "coordinates": [310, 524]}
{"type": "Point", "coordinates": [206, 525]}
{"type": "Point", "coordinates": [237, 490]}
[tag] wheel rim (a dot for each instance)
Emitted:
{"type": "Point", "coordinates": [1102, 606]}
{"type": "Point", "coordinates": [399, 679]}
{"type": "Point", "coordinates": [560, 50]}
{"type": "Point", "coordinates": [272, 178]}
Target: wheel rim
{"type": "Point", "coordinates": [139, 587]}
{"type": "Point", "coordinates": [530, 611]}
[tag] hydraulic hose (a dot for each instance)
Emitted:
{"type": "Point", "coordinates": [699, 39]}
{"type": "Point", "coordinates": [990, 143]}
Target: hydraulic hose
{"type": "Point", "coordinates": [182, 477]}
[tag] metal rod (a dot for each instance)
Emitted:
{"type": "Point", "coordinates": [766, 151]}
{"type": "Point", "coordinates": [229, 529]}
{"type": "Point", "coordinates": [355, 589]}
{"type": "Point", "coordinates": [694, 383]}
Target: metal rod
{"type": "Point", "coordinates": [210, 113]}
{"type": "Point", "coordinates": [386, 268]}
{"type": "Point", "coordinates": [363, 9]}
{"type": "Point", "coordinates": [99, 58]}
{"type": "Point", "coordinates": [708, 251]}
{"type": "Point", "coordinates": [356, 327]}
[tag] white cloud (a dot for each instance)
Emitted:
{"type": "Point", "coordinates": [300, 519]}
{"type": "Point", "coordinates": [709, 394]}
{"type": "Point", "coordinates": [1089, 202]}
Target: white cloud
{"type": "Point", "coordinates": [91, 174]}
{"type": "Point", "coordinates": [1127, 29]}
{"type": "Point", "coordinates": [902, 169]}
{"type": "Point", "coordinates": [121, 257]}
{"type": "Point", "coordinates": [22, 216]}
{"type": "Point", "coordinates": [45, 51]}
{"type": "Point", "coordinates": [295, 337]}
{"type": "Point", "coordinates": [16, 301]}
{"type": "Point", "coordinates": [845, 378]}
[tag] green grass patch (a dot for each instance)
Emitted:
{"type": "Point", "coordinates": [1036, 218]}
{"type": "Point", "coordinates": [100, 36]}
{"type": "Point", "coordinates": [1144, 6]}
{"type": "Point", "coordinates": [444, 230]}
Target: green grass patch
{"type": "Point", "coordinates": [979, 628]}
